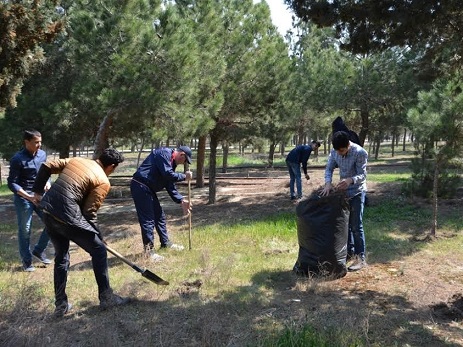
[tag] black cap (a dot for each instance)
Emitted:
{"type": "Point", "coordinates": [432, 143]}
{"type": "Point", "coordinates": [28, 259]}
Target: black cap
{"type": "Point", "coordinates": [187, 151]}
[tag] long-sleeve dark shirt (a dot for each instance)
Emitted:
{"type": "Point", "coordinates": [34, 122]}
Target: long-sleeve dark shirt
{"type": "Point", "coordinates": [158, 172]}
{"type": "Point", "coordinates": [24, 168]}
{"type": "Point", "coordinates": [300, 155]}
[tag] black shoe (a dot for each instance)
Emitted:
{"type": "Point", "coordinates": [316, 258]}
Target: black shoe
{"type": "Point", "coordinates": [62, 309]}
{"type": "Point", "coordinates": [42, 258]}
{"type": "Point", "coordinates": [109, 299]}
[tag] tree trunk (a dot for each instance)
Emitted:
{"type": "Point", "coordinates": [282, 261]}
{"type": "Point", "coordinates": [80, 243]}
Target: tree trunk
{"type": "Point", "coordinates": [271, 153]}
{"type": "Point", "coordinates": [377, 145]}
{"type": "Point", "coordinates": [403, 143]}
{"type": "Point", "coordinates": [435, 187]}
{"type": "Point", "coordinates": [300, 135]}
{"type": "Point", "coordinates": [393, 144]}
{"type": "Point", "coordinates": [212, 168]}
{"type": "Point", "coordinates": [64, 152]}
{"type": "Point", "coordinates": [225, 148]}
{"type": "Point", "coordinates": [364, 115]}
{"type": "Point", "coordinates": [201, 158]}
{"type": "Point", "coordinates": [102, 136]}
{"type": "Point", "coordinates": [140, 151]}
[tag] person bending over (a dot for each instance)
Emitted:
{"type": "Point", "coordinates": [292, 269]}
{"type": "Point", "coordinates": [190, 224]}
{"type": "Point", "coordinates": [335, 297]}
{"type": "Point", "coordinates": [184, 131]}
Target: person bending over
{"type": "Point", "coordinates": [157, 172]}
{"type": "Point", "coordinates": [70, 214]}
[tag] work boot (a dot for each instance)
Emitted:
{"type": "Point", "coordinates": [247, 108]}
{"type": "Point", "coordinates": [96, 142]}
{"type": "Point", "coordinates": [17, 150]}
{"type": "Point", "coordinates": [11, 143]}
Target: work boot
{"type": "Point", "coordinates": [109, 299]}
{"type": "Point", "coordinates": [62, 309]}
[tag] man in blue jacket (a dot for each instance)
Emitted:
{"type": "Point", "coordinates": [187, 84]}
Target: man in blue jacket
{"type": "Point", "coordinates": [157, 172]}
{"type": "Point", "coordinates": [297, 156]}
{"type": "Point", "coordinates": [23, 171]}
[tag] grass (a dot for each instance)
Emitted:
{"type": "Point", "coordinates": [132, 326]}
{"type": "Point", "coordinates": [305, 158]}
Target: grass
{"type": "Point", "coordinates": [5, 191]}
{"type": "Point", "coordinates": [247, 295]}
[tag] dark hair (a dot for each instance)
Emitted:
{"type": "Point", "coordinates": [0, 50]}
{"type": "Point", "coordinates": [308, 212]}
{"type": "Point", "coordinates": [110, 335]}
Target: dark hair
{"type": "Point", "coordinates": [111, 157]}
{"type": "Point", "coordinates": [316, 143]}
{"type": "Point", "coordinates": [29, 134]}
{"type": "Point", "coordinates": [340, 140]}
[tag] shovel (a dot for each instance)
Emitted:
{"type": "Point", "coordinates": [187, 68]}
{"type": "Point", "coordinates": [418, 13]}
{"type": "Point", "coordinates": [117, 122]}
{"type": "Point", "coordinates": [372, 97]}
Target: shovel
{"type": "Point", "coordinates": [144, 272]}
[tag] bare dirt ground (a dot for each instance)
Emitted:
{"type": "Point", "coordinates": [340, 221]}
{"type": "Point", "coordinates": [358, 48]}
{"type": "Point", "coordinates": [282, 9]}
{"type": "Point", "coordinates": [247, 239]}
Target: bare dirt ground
{"type": "Point", "coordinates": [421, 289]}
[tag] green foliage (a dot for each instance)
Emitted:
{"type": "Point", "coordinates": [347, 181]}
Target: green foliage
{"type": "Point", "coordinates": [438, 115]}
{"type": "Point", "coordinates": [421, 180]}
{"type": "Point", "coordinates": [24, 27]}
{"type": "Point", "coordinates": [421, 25]}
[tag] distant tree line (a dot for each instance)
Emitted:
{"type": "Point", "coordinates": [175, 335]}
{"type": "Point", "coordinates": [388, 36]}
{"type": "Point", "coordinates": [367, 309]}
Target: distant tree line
{"type": "Point", "coordinates": [142, 71]}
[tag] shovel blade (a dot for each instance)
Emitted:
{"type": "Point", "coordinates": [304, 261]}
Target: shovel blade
{"type": "Point", "coordinates": [154, 278]}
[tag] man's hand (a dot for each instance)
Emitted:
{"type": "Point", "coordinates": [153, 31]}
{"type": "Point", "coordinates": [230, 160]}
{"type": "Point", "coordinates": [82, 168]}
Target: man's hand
{"type": "Point", "coordinates": [189, 175]}
{"type": "Point", "coordinates": [35, 198]}
{"type": "Point", "coordinates": [307, 177]}
{"type": "Point", "coordinates": [187, 207]}
{"type": "Point", "coordinates": [326, 190]}
{"type": "Point", "coordinates": [344, 183]}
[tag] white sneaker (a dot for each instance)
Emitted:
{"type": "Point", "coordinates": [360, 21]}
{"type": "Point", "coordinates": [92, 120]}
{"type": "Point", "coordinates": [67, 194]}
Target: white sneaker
{"type": "Point", "coordinates": [154, 257]}
{"type": "Point", "coordinates": [174, 247]}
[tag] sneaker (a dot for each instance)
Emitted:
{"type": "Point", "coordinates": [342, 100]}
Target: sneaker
{"type": "Point", "coordinates": [62, 309]}
{"type": "Point", "coordinates": [28, 268]}
{"type": "Point", "coordinates": [357, 265]}
{"type": "Point", "coordinates": [154, 257]}
{"type": "Point", "coordinates": [41, 257]}
{"type": "Point", "coordinates": [173, 246]}
{"type": "Point", "coordinates": [109, 299]}
{"type": "Point", "coordinates": [350, 257]}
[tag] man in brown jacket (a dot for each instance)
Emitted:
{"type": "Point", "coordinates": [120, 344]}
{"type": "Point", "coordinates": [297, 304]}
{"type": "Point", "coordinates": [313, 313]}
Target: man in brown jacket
{"type": "Point", "coordinates": [70, 214]}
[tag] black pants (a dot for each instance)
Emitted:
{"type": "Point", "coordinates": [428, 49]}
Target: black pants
{"type": "Point", "coordinates": [60, 235]}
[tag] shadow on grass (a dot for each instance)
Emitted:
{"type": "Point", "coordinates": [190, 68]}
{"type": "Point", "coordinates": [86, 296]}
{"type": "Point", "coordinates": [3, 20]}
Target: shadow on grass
{"type": "Point", "coordinates": [248, 315]}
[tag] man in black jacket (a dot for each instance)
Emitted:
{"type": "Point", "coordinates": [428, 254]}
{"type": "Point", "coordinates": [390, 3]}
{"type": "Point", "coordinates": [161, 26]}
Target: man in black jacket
{"type": "Point", "coordinates": [70, 214]}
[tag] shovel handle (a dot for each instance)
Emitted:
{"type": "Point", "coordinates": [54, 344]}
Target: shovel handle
{"type": "Point", "coordinates": [121, 257]}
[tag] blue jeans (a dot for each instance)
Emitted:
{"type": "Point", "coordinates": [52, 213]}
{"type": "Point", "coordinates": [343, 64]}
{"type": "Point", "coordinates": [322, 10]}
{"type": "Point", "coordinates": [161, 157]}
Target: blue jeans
{"type": "Point", "coordinates": [294, 176]}
{"type": "Point", "coordinates": [24, 211]}
{"type": "Point", "coordinates": [150, 214]}
{"type": "Point", "coordinates": [60, 235]}
{"type": "Point", "coordinates": [356, 241]}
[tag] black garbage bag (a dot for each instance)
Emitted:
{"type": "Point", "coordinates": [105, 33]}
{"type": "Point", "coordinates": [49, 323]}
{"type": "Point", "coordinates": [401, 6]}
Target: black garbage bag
{"type": "Point", "coordinates": [322, 231]}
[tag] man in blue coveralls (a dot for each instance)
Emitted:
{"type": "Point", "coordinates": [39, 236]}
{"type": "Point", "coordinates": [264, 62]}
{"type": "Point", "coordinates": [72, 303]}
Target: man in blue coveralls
{"type": "Point", "coordinates": [297, 156]}
{"type": "Point", "coordinates": [157, 172]}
